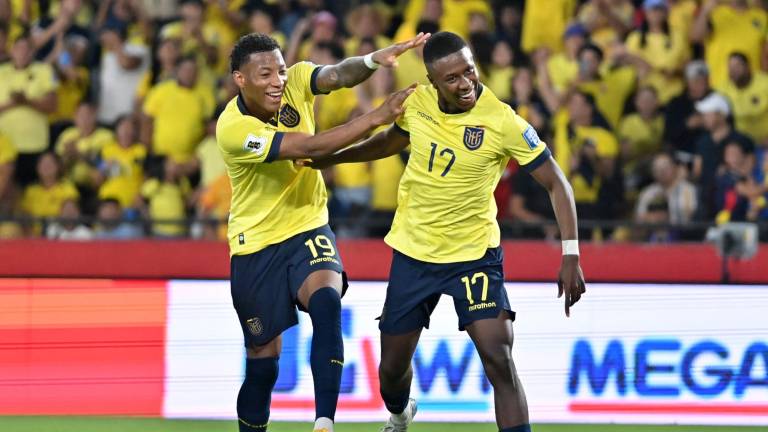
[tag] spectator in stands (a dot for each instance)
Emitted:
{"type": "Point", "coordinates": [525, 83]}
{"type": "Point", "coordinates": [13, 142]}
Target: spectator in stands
{"type": "Point", "coordinates": [747, 92]}
{"type": "Point", "coordinates": [127, 15]}
{"type": "Point", "coordinates": [260, 20]}
{"type": "Point", "coordinates": [226, 19]}
{"type": "Point", "coordinates": [213, 208]}
{"type": "Point", "coordinates": [544, 22]}
{"type": "Point", "coordinates": [610, 87]}
{"type": "Point", "coordinates": [563, 67]}
{"type": "Point", "coordinates": [587, 151]}
{"type": "Point", "coordinates": [122, 66]}
{"type": "Point", "coordinates": [661, 53]}
{"type": "Point", "coordinates": [208, 160]}
{"type": "Point", "coordinates": [509, 25]}
{"type": "Point", "coordinates": [678, 195]}
{"type": "Point", "coordinates": [365, 22]}
{"type": "Point", "coordinates": [308, 34]}
{"type": "Point", "coordinates": [501, 72]}
{"type": "Point", "coordinates": [164, 61]}
{"type": "Point", "coordinates": [530, 203]}
{"type": "Point", "coordinates": [8, 156]}
{"type": "Point", "coordinates": [683, 124]}
{"type": "Point", "coordinates": [608, 21]}
{"type": "Point", "coordinates": [57, 24]}
{"type": "Point", "coordinates": [730, 26]}
{"type": "Point", "coordinates": [527, 101]}
{"type": "Point", "coordinates": [640, 135]}
{"type": "Point", "coordinates": [44, 198]}
{"type": "Point", "coordinates": [68, 60]}
{"type": "Point", "coordinates": [27, 97]}
{"type": "Point", "coordinates": [711, 145]}
{"type": "Point", "coordinates": [80, 146]}
{"type": "Point", "coordinates": [197, 37]}
{"type": "Point", "coordinates": [111, 224]}
{"type": "Point", "coordinates": [121, 164]}
{"type": "Point", "coordinates": [5, 55]}
{"type": "Point", "coordinates": [164, 199]}
{"type": "Point", "coordinates": [69, 226]}
{"type": "Point", "coordinates": [175, 113]}
{"type": "Point", "coordinates": [739, 195]}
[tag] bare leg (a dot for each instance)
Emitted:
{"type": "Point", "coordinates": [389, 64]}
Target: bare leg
{"type": "Point", "coordinates": [395, 371]}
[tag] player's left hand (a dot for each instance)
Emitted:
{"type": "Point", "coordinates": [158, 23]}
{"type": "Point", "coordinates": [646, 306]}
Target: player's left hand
{"type": "Point", "coordinates": [387, 57]}
{"type": "Point", "coordinates": [570, 282]}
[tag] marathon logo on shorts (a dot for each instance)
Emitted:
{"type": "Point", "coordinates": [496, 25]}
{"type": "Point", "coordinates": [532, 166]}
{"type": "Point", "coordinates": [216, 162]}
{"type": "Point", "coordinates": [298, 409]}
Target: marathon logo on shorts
{"type": "Point", "coordinates": [481, 306]}
{"type": "Point", "coordinates": [531, 137]}
{"type": "Point", "coordinates": [289, 116]}
{"type": "Point", "coordinates": [255, 326]}
{"type": "Point", "coordinates": [473, 137]}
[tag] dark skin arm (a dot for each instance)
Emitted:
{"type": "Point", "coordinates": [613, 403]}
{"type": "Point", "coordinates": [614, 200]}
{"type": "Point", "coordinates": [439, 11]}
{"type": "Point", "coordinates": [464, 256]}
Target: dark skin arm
{"type": "Point", "coordinates": [303, 146]}
{"type": "Point", "coordinates": [379, 146]}
{"type": "Point", "coordinates": [352, 71]}
{"type": "Point", "coordinates": [571, 279]}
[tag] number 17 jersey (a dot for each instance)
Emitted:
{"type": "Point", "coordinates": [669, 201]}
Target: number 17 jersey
{"type": "Point", "coordinates": [445, 208]}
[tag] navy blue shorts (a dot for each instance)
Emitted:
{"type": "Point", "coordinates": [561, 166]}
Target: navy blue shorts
{"type": "Point", "coordinates": [265, 284]}
{"type": "Point", "coordinates": [415, 287]}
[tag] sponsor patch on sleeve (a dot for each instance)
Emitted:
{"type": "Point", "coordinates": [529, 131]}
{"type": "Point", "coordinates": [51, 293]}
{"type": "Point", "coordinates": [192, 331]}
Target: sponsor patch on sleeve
{"type": "Point", "coordinates": [531, 137]}
{"type": "Point", "coordinates": [255, 144]}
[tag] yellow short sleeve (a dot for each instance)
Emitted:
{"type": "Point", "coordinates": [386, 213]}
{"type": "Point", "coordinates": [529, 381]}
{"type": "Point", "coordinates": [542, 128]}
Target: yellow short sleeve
{"type": "Point", "coordinates": [246, 141]}
{"type": "Point", "coordinates": [154, 100]}
{"type": "Point", "coordinates": [523, 143]}
{"type": "Point", "coordinates": [303, 76]}
{"type": "Point", "coordinates": [8, 152]}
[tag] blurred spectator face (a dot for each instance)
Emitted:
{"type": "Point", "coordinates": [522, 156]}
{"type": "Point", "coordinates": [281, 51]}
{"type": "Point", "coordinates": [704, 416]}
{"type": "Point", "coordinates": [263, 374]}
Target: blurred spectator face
{"type": "Point", "coordinates": [169, 51]}
{"type": "Point", "coordinates": [85, 118]}
{"type": "Point", "coordinates": [260, 22]}
{"type": "Point", "coordinates": [70, 213]}
{"type": "Point", "coordinates": [433, 10]}
{"type": "Point", "coordinates": [77, 47]}
{"type": "Point", "coordinates": [22, 52]}
{"type": "Point", "coordinates": [365, 21]}
{"type": "Point", "coordinates": [713, 120]}
{"type": "Point", "coordinates": [324, 27]}
{"type": "Point", "coordinates": [478, 23]}
{"type": "Point", "coordinates": [580, 110]}
{"type": "Point", "coordinates": [738, 70]}
{"type": "Point", "coordinates": [510, 17]}
{"type": "Point", "coordinates": [733, 157]}
{"type": "Point", "coordinates": [171, 170]}
{"type": "Point", "coordinates": [126, 132]}
{"type": "Point", "coordinates": [664, 170]}
{"type": "Point", "coordinates": [110, 39]}
{"type": "Point", "coordinates": [48, 169]}
{"type": "Point", "coordinates": [589, 64]}
{"type": "Point", "coordinates": [71, 7]}
{"type": "Point", "coordinates": [110, 214]}
{"type": "Point", "coordinates": [522, 83]}
{"type": "Point", "coordinates": [192, 16]}
{"type": "Point", "coordinates": [573, 44]}
{"type": "Point", "coordinates": [187, 73]}
{"type": "Point", "coordinates": [656, 16]}
{"type": "Point", "coordinates": [502, 54]}
{"type": "Point", "coordinates": [698, 87]}
{"type": "Point", "coordinates": [646, 102]}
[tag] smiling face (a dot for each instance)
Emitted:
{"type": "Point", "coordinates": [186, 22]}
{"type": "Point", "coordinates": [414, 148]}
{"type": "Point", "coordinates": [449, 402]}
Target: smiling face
{"type": "Point", "coordinates": [262, 81]}
{"type": "Point", "coordinates": [456, 80]}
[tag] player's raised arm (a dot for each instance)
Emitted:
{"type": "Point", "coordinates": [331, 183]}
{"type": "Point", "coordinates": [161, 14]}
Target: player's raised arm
{"type": "Point", "coordinates": [383, 144]}
{"type": "Point", "coordinates": [571, 279]}
{"type": "Point", "coordinates": [354, 70]}
{"type": "Point", "coordinates": [303, 146]}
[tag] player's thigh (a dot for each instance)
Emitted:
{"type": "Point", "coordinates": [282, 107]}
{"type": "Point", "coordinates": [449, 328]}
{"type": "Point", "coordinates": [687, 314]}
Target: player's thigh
{"type": "Point", "coordinates": [397, 351]}
{"type": "Point", "coordinates": [315, 264]}
{"type": "Point", "coordinates": [268, 350]}
{"type": "Point", "coordinates": [492, 335]}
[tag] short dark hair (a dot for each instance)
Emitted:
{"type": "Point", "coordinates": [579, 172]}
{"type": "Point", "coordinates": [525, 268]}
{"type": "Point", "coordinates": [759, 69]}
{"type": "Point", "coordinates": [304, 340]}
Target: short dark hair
{"type": "Point", "coordinates": [594, 48]}
{"type": "Point", "coordinates": [250, 44]}
{"type": "Point", "coordinates": [442, 44]}
{"type": "Point", "coordinates": [198, 3]}
{"type": "Point", "coordinates": [741, 56]}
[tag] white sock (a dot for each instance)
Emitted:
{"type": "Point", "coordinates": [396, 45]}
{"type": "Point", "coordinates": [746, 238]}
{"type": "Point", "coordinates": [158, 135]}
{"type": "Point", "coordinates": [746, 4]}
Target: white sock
{"type": "Point", "coordinates": [324, 422]}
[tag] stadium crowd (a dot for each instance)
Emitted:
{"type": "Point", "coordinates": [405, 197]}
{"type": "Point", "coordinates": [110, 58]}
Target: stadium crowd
{"type": "Point", "coordinates": [656, 110]}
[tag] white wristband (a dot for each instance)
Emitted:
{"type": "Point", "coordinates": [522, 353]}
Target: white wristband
{"type": "Point", "coordinates": [368, 60]}
{"type": "Point", "coordinates": [570, 247]}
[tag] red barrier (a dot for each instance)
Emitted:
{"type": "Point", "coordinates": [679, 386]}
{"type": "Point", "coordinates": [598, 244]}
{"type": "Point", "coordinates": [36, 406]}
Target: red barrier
{"type": "Point", "coordinates": [369, 260]}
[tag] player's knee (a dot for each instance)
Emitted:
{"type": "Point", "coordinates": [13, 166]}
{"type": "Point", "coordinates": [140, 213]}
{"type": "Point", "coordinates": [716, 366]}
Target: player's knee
{"type": "Point", "coordinates": [325, 303]}
{"type": "Point", "coordinates": [393, 369]}
{"type": "Point", "coordinates": [498, 366]}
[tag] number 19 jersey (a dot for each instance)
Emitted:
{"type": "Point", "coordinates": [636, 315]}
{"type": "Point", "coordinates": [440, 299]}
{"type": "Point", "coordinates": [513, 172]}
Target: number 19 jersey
{"type": "Point", "coordinates": [446, 211]}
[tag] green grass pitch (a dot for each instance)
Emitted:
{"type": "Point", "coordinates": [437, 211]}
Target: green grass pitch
{"type": "Point", "coordinates": [111, 424]}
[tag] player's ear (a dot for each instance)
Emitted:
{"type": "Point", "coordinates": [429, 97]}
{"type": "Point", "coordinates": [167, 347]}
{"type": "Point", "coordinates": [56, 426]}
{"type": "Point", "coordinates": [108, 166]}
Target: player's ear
{"type": "Point", "coordinates": [239, 78]}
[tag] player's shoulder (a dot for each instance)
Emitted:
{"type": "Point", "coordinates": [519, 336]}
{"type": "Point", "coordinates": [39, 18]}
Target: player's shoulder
{"type": "Point", "coordinates": [235, 119]}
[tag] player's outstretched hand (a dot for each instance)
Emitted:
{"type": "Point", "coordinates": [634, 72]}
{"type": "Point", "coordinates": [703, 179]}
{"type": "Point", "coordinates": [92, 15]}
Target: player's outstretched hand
{"type": "Point", "coordinates": [388, 56]}
{"type": "Point", "coordinates": [570, 282]}
{"type": "Point", "coordinates": [391, 109]}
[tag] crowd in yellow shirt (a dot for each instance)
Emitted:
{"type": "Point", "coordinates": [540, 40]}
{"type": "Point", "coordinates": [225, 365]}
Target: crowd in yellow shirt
{"type": "Point", "coordinates": [610, 84]}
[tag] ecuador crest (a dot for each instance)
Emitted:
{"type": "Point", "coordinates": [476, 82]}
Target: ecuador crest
{"type": "Point", "coordinates": [473, 137]}
{"type": "Point", "coordinates": [289, 116]}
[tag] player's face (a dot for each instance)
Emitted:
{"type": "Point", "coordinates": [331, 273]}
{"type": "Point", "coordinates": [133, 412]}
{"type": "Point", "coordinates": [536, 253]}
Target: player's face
{"type": "Point", "coordinates": [262, 81]}
{"type": "Point", "coordinates": [456, 80]}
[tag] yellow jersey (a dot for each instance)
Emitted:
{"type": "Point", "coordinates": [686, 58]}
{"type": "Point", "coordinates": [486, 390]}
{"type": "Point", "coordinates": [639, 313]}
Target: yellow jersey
{"type": "Point", "coordinates": [26, 127]}
{"type": "Point", "coordinates": [271, 200]}
{"type": "Point", "coordinates": [39, 201]}
{"type": "Point", "coordinates": [544, 23]}
{"type": "Point", "coordinates": [667, 55]}
{"type": "Point", "coordinates": [734, 31]}
{"type": "Point", "coordinates": [445, 208]}
{"type": "Point", "coordinates": [750, 106]}
{"type": "Point", "coordinates": [124, 167]}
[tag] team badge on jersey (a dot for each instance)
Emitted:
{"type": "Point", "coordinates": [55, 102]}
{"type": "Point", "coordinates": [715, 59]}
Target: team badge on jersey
{"type": "Point", "coordinates": [473, 137]}
{"type": "Point", "coordinates": [289, 116]}
{"type": "Point", "coordinates": [255, 144]}
{"type": "Point", "coordinates": [531, 137]}
{"type": "Point", "coordinates": [255, 326]}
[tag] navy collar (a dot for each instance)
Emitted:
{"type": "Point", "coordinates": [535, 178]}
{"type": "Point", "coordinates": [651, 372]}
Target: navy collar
{"type": "Point", "coordinates": [244, 109]}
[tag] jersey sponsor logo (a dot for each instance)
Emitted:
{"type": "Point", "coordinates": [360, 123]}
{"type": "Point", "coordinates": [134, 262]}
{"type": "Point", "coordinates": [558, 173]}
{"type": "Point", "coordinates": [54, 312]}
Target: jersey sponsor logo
{"type": "Point", "coordinates": [473, 137]}
{"type": "Point", "coordinates": [531, 137]}
{"type": "Point", "coordinates": [255, 326]}
{"type": "Point", "coordinates": [426, 117]}
{"type": "Point", "coordinates": [289, 116]}
{"type": "Point", "coordinates": [255, 144]}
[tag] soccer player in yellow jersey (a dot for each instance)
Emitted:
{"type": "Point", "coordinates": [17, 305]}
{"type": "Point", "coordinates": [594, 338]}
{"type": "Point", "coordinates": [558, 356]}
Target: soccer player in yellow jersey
{"type": "Point", "coordinates": [445, 235]}
{"type": "Point", "coordinates": [283, 252]}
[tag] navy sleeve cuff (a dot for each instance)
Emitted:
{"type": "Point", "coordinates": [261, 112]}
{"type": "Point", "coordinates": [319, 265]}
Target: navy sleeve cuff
{"type": "Point", "coordinates": [313, 82]}
{"type": "Point", "coordinates": [274, 149]}
{"type": "Point", "coordinates": [401, 130]}
{"type": "Point", "coordinates": [538, 161]}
